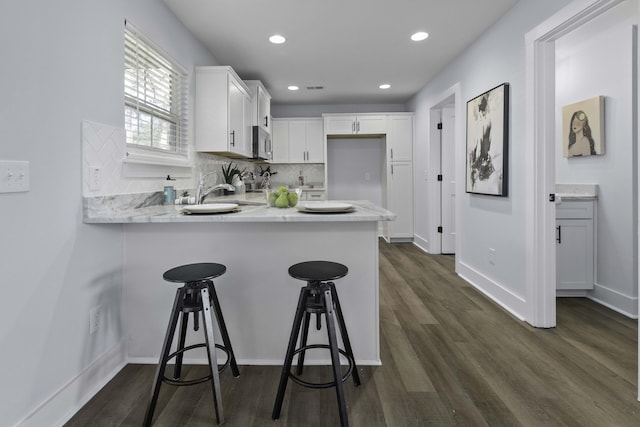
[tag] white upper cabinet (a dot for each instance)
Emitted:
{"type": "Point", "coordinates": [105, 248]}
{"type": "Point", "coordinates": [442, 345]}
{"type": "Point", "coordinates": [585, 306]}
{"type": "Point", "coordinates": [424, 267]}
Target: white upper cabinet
{"type": "Point", "coordinates": [400, 137]}
{"type": "Point", "coordinates": [261, 115]}
{"type": "Point", "coordinates": [301, 138]}
{"type": "Point", "coordinates": [220, 112]}
{"type": "Point", "coordinates": [348, 124]}
{"type": "Point", "coordinates": [280, 141]}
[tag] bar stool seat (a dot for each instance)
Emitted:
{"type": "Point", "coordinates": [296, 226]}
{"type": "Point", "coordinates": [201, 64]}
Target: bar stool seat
{"type": "Point", "coordinates": [197, 295]}
{"type": "Point", "coordinates": [318, 297]}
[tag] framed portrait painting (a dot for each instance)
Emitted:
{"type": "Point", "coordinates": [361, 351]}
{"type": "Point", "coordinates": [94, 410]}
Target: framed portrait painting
{"type": "Point", "coordinates": [487, 142]}
{"type": "Point", "coordinates": [583, 128]}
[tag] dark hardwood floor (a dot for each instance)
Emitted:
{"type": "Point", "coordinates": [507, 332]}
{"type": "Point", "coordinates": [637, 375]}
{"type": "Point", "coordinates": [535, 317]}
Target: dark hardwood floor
{"type": "Point", "coordinates": [450, 356]}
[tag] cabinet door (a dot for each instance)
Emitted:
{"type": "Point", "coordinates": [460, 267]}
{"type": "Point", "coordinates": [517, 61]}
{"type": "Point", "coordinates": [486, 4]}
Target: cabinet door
{"type": "Point", "coordinates": [400, 138]}
{"type": "Point", "coordinates": [340, 125]}
{"type": "Point", "coordinates": [400, 200]}
{"type": "Point", "coordinates": [264, 109]}
{"type": "Point", "coordinates": [371, 125]}
{"type": "Point", "coordinates": [314, 141]}
{"type": "Point", "coordinates": [247, 134]}
{"type": "Point", "coordinates": [574, 254]}
{"type": "Point", "coordinates": [280, 141]}
{"type": "Point", "coordinates": [236, 118]}
{"type": "Point", "coordinates": [297, 141]}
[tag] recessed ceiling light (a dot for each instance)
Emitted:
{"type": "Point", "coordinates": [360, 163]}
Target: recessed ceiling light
{"type": "Point", "coordinates": [293, 87]}
{"type": "Point", "coordinates": [419, 36]}
{"type": "Point", "coordinates": [385, 86]}
{"type": "Point", "coordinates": [277, 39]}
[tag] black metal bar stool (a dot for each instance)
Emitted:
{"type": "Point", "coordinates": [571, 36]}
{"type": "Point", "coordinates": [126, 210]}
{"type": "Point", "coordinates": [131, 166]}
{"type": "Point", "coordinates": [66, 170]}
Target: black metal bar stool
{"type": "Point", "coordinates": [197, 295]}
{"type": "Point", "coordinates": [319, 297]}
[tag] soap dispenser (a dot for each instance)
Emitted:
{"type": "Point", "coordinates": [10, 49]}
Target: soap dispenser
{"type": "Point", "coordinates": [169, 191]}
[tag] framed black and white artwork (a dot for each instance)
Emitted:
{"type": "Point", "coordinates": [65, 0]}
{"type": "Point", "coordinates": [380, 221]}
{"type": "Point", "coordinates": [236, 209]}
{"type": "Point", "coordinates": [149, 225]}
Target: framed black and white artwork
{"type": "Point", "coordinates": [487, 142]}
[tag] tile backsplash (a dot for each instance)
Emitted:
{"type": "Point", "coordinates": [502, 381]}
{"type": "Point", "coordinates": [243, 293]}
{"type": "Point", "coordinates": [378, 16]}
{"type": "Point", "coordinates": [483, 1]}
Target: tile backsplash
{"type": "Point", "coordinates": [104, 148]}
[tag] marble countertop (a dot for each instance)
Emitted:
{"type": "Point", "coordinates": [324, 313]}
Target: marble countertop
{"type": "Point", "coordinates": [252, 209]}
{"type": "Point", "coordinates": [568, 192]}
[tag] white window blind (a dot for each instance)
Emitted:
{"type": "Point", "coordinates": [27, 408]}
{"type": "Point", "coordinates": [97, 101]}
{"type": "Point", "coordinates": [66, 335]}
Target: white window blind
{"type": "Point", "coordinates": [155, 97]}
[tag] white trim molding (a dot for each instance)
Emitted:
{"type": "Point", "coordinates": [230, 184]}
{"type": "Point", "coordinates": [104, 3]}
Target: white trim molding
{"type": "Point", "coordinates": [540, 265]}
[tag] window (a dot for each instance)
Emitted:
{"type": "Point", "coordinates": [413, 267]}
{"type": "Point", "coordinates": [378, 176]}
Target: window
{"type": "Point", "coordinates": [155, 100]}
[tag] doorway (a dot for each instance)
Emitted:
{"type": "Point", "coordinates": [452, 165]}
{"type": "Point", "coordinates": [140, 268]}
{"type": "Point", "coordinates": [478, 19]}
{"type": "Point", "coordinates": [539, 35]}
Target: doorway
{"type": "Point", "coordinates": [540, 132]}
{"type": "Point", "coordinates": [444, 145]}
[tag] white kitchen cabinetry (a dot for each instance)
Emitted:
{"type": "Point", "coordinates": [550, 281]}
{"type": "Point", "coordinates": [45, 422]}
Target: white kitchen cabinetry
{"type": "Point", "coordinates": [400, 137]}
{"type": "Point", "coordinates": [261, 100]}
{"type": "Point", "coordinates": [347, 124]}
{"type": "Point", "coordinates": [222, 100]}
{"type": "Point", "coordinates": [400, 176]}
{"type": "Point", "coordinates": [575, 245]}
{"type": "Point", "coordinates": [400, 201]}
{"type": "Point", "coordinates": [310, 195]}
{"type": "Point", "coordinates": [301, 138]}
{"type": "Point", "coordinates": [280, 141]}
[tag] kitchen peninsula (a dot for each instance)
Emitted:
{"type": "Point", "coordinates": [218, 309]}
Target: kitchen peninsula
{"type": "Point", "coordinates": [258, 297]}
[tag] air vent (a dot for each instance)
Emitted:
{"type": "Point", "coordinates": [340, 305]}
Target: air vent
{"type": "Point", "coordinates": [315, 87]}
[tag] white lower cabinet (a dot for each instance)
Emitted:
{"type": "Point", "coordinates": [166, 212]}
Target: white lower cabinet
{"type": "Point", "coordinates": [575, 245]}
{"type": "Point", "coordinates": [309, 195]}
{"type": "Point", "coordinates": [400, 201]}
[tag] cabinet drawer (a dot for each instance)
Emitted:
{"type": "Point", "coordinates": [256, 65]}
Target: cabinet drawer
{"type": "Point", "coordinates": [313, 195]}
{"type": "Point", "coordinates": [575, 210]}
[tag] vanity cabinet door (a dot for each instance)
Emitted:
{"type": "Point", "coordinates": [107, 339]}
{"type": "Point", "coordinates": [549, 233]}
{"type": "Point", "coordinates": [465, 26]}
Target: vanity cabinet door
{"type": "Point", "coordinates": [574, 254]}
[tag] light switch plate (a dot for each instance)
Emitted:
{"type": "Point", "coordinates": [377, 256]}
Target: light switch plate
{"type": "Point", "coordinates": [14, 176]}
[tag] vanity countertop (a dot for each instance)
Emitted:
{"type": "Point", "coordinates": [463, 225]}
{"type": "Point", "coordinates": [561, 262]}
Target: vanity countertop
{"type": "Point", "coordinates": [568, 192]}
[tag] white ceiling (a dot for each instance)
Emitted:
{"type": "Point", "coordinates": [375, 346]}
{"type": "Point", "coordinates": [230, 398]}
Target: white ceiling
{"type": "Point", "coordinates": [349, 47]}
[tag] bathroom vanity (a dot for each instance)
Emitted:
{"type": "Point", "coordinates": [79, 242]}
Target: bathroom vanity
{"type": "Point", "coordinates": [575, 237]}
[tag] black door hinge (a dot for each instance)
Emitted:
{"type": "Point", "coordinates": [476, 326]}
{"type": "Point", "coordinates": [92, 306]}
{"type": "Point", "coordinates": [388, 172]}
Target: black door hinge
{"type": "Point", "coordinates": [439, 126]}
{"type": "Point", "coordinates": [440, 229]}
{"type": "Point", "coordinates": [440, 177]}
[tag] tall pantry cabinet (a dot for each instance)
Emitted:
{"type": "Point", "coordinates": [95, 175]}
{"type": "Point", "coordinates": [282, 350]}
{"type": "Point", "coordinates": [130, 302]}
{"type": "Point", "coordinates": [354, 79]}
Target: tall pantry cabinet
{"type": "Point", "coordinates": [399, 154]}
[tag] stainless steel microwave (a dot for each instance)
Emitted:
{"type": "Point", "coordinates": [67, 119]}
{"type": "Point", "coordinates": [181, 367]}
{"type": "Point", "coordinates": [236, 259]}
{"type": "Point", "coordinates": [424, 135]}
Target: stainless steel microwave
{"type": "Point", "coordinates": [262, 149]}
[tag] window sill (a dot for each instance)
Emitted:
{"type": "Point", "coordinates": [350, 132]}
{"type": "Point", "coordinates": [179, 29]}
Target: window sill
{"type": "Point", "coordinates": [144, 165]}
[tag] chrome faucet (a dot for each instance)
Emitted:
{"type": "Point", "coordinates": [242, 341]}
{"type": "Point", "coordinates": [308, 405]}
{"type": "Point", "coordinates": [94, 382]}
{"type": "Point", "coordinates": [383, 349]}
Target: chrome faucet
{"type": "Point", "coordinates": [201, 193]}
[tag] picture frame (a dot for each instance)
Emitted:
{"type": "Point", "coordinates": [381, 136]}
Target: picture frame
{"type": "Point", "coordinates": [488, 142]}
{"type": "Point", "coordinates": [583, 128]}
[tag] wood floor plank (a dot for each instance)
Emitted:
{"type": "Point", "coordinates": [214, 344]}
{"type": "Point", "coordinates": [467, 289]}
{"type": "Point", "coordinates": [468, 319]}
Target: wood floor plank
{"type": "Point", "coordinates": [450, 357]}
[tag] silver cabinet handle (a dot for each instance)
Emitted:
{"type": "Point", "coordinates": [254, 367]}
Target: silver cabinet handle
{"type": "Point", "coordinates": [391, 169]}
{"type": "Point", "coordinates": [233, 138]}
{"type": "Point", "coordinates": [353, 127]}
{"type": "Point", "coordinates": [358, 127]}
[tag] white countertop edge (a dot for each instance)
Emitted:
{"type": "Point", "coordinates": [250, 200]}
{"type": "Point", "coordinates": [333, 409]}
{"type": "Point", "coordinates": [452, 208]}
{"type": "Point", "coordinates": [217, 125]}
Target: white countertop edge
{"type": "Point", "coordinates": [365, 211]}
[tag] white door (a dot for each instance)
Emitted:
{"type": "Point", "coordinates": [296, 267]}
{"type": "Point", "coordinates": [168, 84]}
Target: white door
{"type": "Point", "coordinates": [448, 183]}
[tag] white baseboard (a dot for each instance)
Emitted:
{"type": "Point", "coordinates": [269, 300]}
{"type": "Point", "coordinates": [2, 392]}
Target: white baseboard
{"type": "Point", "coordinates": [505, 298]}
{"type": "Point", "coordinates": [623, 304]}
{"type": "Point", "coordinates": [73, 395]}
{"type": "Point", "coordinates": [421, 243]}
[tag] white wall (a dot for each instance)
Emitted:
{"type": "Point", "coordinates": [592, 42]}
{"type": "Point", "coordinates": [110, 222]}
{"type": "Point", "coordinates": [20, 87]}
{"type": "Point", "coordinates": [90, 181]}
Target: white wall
{"type": "Point", "coordinates": [354, 169]}
{"type": "Point", "coordinates": [598, 59]}
{"type": "Point", "coordinates": [63, 63]}
{"type": "Point", "coordinates": [486, 222]}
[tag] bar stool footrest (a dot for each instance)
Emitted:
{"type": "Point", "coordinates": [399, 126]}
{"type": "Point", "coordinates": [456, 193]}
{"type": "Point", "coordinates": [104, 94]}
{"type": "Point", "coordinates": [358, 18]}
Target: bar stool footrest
{"type": "Point", "coordinates": [308, 384]}
{"type": "Point", "coordinates": [172, 381]}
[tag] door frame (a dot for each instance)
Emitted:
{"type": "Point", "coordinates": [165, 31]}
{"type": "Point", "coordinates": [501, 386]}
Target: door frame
{"type": "Point", "coordinates": [451, 97]}
{"type": "Point", "coordinates": [540, 131]}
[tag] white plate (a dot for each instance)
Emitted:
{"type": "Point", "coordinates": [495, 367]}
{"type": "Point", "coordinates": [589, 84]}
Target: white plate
{"type": "Point", "coordinates": [210, 208]}
{"type": "Point", "coordinates": [325, 207]}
